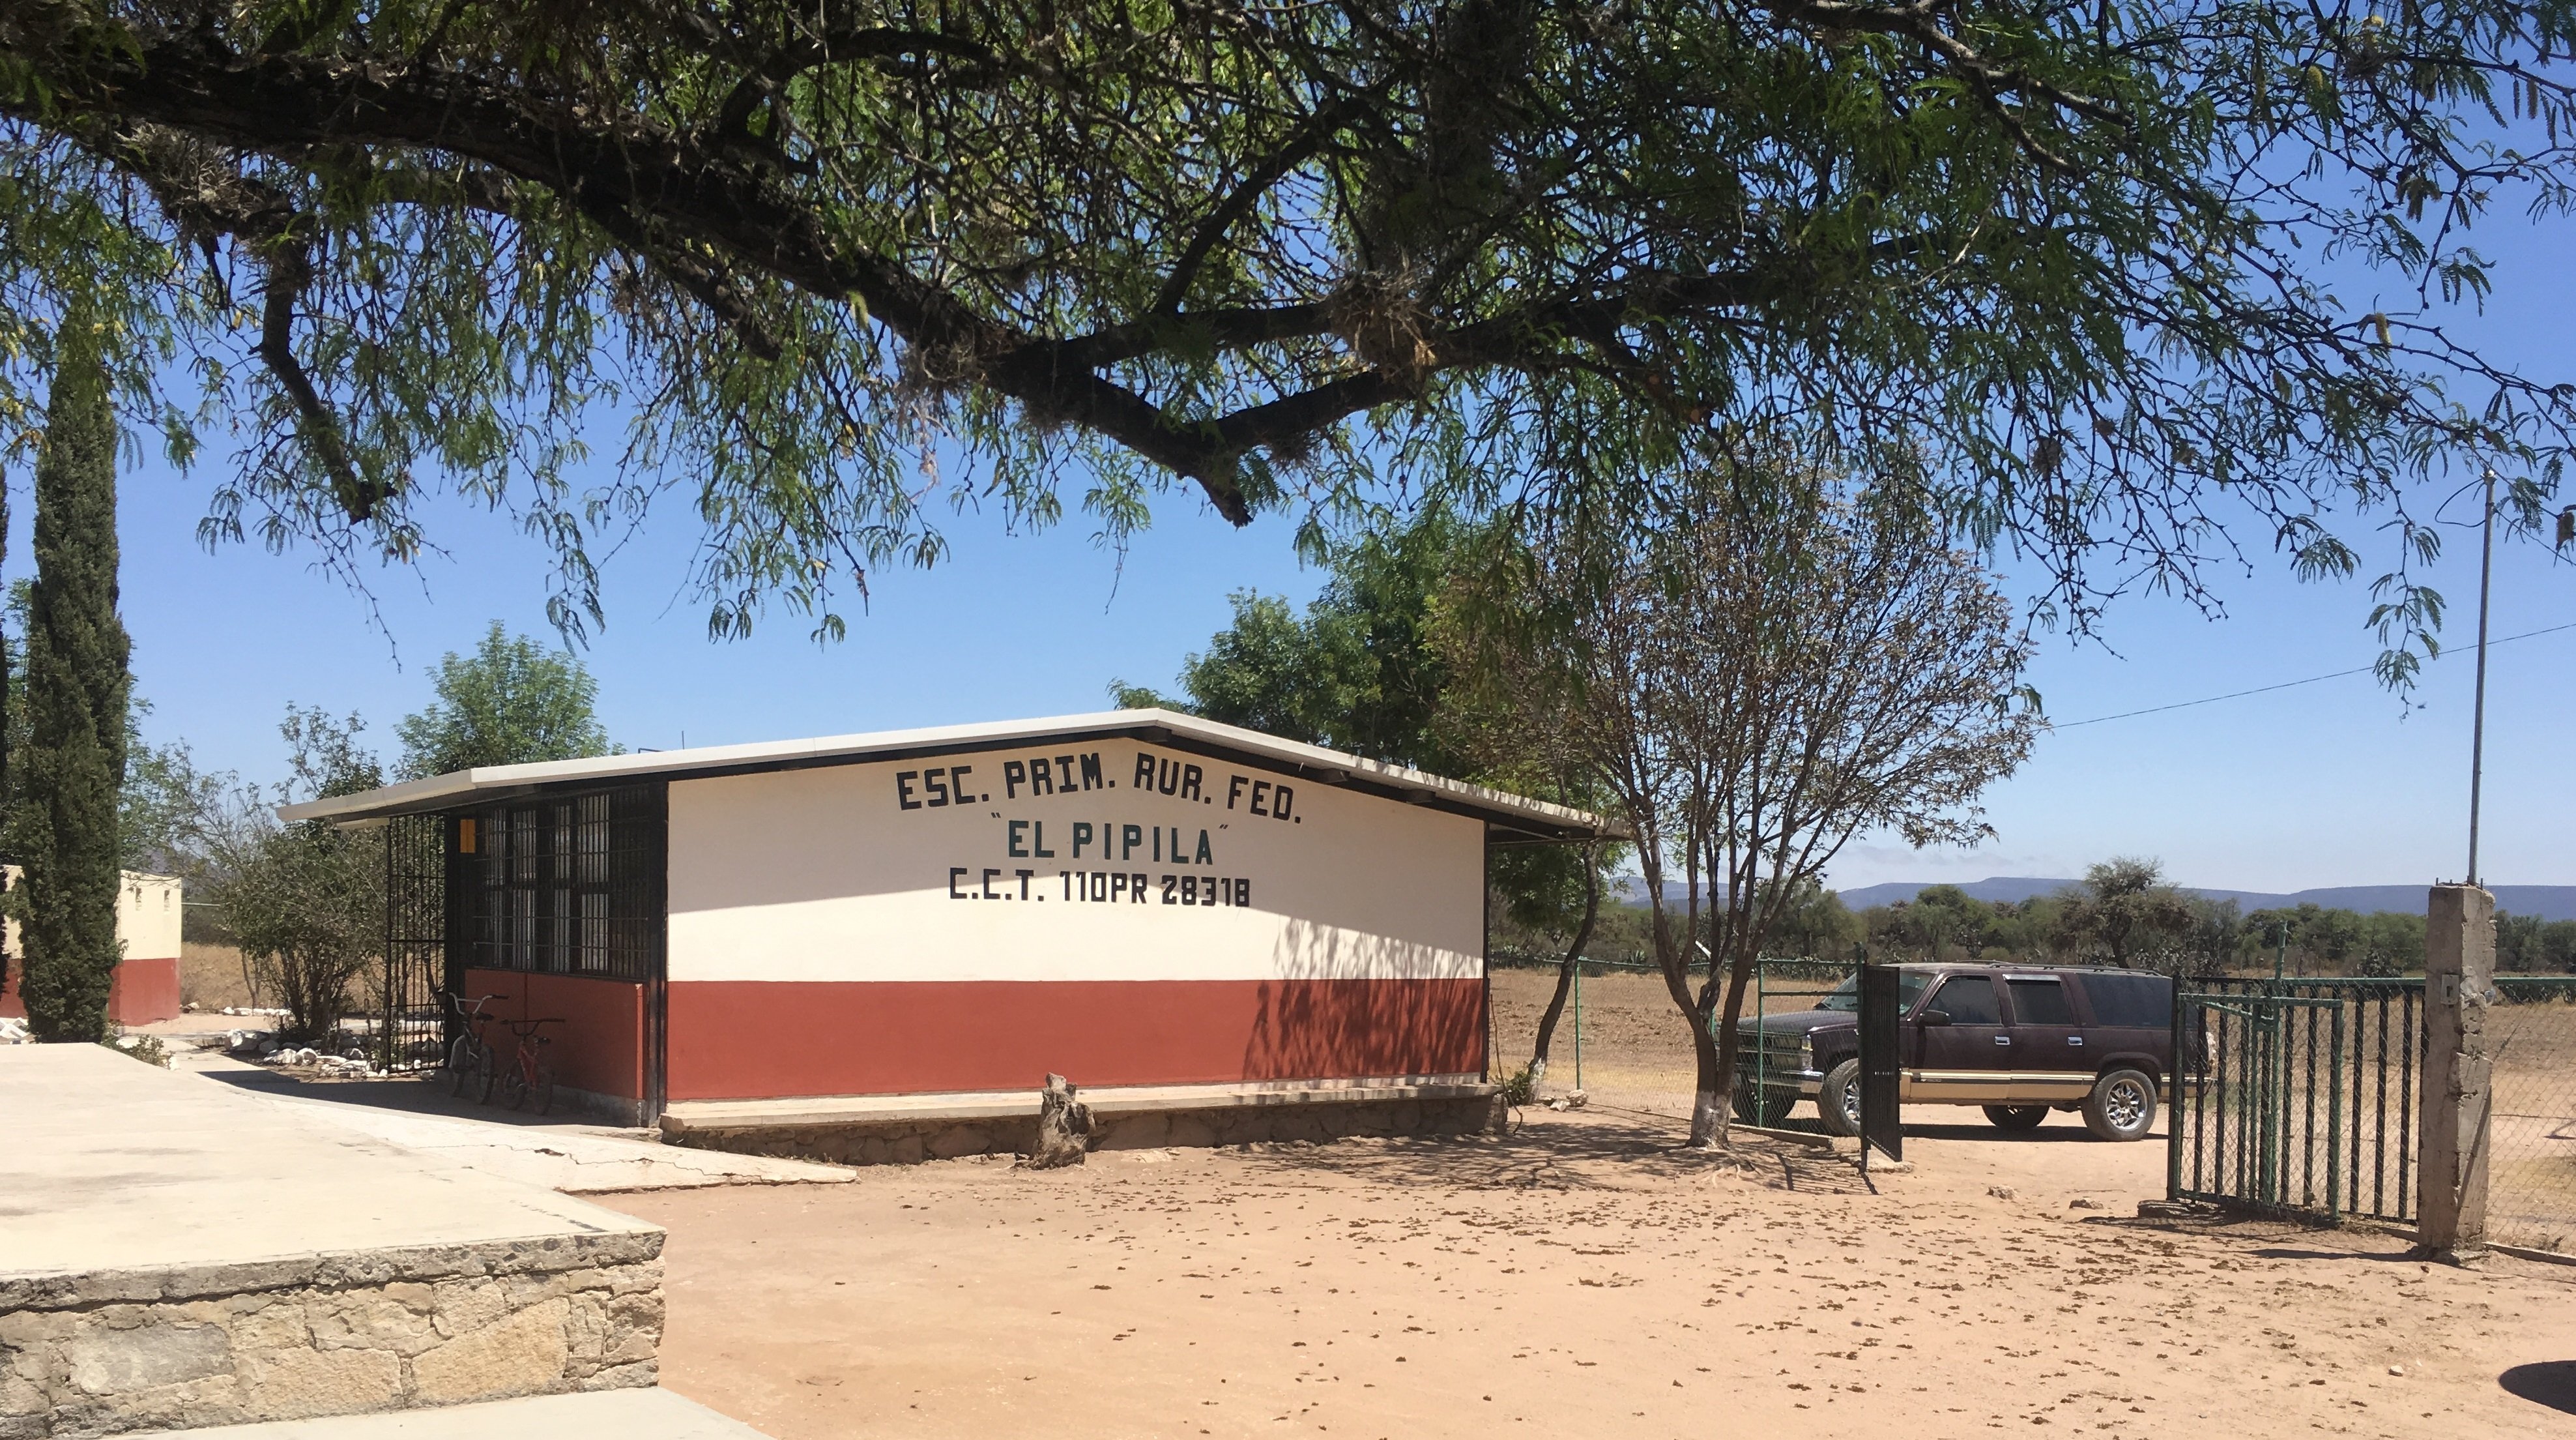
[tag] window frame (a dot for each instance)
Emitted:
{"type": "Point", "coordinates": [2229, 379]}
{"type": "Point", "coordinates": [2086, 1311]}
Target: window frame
{"type": "Point", "coordinates": [1993, 998]}
{"type": "Point", "coordinates": [2065, 1000]}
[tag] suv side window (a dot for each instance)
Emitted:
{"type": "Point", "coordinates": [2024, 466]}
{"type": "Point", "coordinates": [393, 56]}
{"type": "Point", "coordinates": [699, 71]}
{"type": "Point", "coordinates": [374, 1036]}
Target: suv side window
{"type": "Point", "coordinates": [1968, 1000]}
{"type": "Point", "coordinates": [2040, 1002]}
{"type": "Point", "coordinates": [2141, 1002]}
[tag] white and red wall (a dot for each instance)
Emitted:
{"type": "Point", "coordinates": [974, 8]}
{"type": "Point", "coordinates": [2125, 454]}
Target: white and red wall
{"type": "Point", "coordinates": [145, 986]}
{"type": "Point", "coordinates": [1117, 912]}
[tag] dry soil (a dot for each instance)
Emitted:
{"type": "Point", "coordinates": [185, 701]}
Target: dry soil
{"type": "Point", "coordinates": [1580, 1277]}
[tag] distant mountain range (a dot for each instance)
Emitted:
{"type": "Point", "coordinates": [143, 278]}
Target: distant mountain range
{"type": "Point", "coordinates": [2549, 902]}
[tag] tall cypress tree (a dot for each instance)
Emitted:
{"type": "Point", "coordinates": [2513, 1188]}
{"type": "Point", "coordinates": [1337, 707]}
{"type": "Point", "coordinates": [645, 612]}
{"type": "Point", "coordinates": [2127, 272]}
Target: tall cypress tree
{"type": "Point", "coordinates": [74, 763]}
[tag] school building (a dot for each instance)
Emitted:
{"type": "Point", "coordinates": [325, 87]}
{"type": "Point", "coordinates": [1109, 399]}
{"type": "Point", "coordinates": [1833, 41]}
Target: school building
{"type": "Point", "coordinates": [815, 944]}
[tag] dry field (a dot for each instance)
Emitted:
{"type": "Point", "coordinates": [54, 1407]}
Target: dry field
{"type": "Point", "coordinates": [1582, 1278]}
{"type": "Point", "coordinates": [210, 977]}
{"type": "Point", "coordinates": [1636, 1049]}
{"type": "Point", "coordinates": [2532, 1170]}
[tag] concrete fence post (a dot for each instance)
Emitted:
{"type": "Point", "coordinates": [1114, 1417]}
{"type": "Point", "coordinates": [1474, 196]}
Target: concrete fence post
{"type": "Point", "coordinates": [2451, 1158]}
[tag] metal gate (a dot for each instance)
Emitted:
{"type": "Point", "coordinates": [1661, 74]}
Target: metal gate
{"type": "Point", "coordinates": [409, 1020]}
{"type": "Point", "coordinates": [2297, 1096]}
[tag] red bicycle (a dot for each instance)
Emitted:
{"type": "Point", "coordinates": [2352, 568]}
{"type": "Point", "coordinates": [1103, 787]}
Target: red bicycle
{"type": "Point", "coordinates": [525, 1075]}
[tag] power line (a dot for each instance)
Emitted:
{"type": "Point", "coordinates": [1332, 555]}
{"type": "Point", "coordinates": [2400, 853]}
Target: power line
{"type": "Point", "coordinates": [2284, 685]}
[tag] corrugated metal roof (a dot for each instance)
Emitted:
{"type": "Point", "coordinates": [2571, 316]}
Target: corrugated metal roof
{"type": "Point", "coordinates": [1533, 819]}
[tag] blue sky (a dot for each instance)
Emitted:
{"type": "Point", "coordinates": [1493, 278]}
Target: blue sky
{"type": "Point", "coordinates": [2327, 784]}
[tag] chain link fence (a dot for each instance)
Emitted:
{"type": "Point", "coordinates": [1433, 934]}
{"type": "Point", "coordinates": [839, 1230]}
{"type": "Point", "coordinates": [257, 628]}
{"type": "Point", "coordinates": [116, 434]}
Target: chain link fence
{"type": "Point", "coordinates": [1622, 1040]}
{"type": "Point", "coordinates": [2531, 1159]}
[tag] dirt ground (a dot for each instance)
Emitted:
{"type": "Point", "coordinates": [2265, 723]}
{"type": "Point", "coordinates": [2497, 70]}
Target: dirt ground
{"type": "Point", "coordinates": [1580, 1277]}
{"type": "Point", "coordinates": [1583, 1277]}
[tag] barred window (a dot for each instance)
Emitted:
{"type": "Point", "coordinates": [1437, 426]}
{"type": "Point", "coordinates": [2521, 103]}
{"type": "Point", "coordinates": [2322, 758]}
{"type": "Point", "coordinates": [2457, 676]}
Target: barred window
{"type": "Point", "coordinates": [571, 885]}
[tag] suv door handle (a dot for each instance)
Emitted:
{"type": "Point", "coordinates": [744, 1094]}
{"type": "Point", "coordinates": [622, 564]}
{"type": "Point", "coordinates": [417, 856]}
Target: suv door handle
{"type": "Point", "coordinates": [2003, 1039]}
{"type": "Point", "coordinates": [2074, 1039]}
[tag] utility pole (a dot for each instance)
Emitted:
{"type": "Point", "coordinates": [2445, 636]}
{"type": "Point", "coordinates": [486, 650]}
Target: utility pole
{"type": "Point", "coordinates": [2478, 721]}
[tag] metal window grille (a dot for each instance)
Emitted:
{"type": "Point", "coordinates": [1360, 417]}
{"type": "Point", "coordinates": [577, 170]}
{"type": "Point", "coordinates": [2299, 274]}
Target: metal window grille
{"type": "Point", "coordinates": [571, 885]}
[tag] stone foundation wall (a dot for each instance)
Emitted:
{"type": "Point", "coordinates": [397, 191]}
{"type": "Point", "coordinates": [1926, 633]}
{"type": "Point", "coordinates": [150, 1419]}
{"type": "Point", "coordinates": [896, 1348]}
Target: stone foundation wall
{"type": "Point", "coordinates": [326, 1335]}
{"type": "Point", "coordinates": [909, 1142]}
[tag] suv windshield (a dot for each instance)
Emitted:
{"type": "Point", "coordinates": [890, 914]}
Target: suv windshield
{"type": "Point", "coordinates": [1846, 996]}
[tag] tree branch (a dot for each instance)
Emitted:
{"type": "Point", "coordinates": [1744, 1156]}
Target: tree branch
{"type": "Point", "coordinates": [663, 194]}
{"type": "Point", "coordinates": [838, 40]}
{"type": "Point", "coordinates": [204, 193]}
{"type": "Point", "coordinates": [289, 271]}
{"type": "Point", "coordinates": [1238, 203]}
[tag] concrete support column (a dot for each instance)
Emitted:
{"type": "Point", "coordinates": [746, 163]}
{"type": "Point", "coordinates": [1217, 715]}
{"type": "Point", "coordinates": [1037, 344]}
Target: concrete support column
{"type": "Point", "coordinates": [2451, 1159]}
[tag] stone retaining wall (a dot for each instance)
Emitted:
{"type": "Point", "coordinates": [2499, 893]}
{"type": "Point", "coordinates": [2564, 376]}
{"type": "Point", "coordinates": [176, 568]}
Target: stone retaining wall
{"type": "Point", "coordinates": [907, 1142]}
{"type": "Point", "coordinates": [326, 1335]}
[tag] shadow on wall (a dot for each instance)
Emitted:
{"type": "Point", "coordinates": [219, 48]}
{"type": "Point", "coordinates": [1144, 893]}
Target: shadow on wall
{"type": "Point", "coordinates": [1348, 1005]}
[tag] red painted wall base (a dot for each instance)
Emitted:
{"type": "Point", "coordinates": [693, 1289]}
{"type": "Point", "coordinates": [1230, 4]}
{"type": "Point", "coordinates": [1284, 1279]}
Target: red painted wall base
{"type": "Point", "coordinates": [144, 990]}
{"type": "Point", "coordinates": [600, 1045]}
{"type": "Point", "coordinates": [138, 993]}
{"type": "Point", "coordinates": [744, 1040]}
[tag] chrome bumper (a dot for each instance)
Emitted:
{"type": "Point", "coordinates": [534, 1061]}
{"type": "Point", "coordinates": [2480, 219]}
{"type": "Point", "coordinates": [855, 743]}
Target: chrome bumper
{"type": "Point", "coordinates": [1805, 1082]}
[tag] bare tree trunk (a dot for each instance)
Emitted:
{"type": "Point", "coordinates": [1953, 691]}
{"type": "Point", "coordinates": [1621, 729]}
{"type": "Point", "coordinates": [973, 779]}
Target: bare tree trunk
{"type": "Point", "coordinates": [1722, 1050]}
{"type": "Point", "coordinates": [1709, 1103]}
{"type": "Point", "coordinates": [1565, 971]}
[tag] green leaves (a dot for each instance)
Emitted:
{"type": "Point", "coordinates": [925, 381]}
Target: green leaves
{"type": "Point", "coordinates": [509, 703]}
{"type": "Point", "coordinates": [825, 269]}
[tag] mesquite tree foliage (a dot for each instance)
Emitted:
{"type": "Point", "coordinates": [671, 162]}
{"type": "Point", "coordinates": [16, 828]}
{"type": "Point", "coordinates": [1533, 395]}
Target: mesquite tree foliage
{"type": "Point", "coordinates": [1765, 676]}
{"type": "Point", "coordinates": [2072, 268]}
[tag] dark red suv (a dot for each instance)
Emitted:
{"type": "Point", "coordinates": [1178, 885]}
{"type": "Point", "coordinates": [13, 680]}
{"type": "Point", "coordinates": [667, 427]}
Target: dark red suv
{"type": "Point", "coordinates": [2018, 1040]}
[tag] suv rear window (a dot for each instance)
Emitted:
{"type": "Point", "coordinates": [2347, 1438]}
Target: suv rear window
{"type": "Point", "coordinates": [2142, 1002]}
{"type": "Point", "coordinates": [2040, 1002]}
{"type": "Point", "coordinates": [1968, 1000]}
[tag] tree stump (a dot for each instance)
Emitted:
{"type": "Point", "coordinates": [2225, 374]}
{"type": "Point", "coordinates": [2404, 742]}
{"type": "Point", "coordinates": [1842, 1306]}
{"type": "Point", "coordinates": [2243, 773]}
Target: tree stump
{"type": "Point", "coordinates": [1064, 1127]}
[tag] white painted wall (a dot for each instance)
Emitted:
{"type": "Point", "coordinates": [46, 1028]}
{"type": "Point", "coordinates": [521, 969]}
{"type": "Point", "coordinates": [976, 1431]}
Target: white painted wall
{"type": "Point", "coordinates": [823, 874]}
{"type": "Point", "coordinates": [147, 916]}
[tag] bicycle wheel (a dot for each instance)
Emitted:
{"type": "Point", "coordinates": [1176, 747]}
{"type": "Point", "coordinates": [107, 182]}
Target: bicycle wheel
{"type": "Point", "coordinates": [514, 1086]}
{"type": "Point", "coordinates": [460, 1064]}
{"type": "Point", "coordinates": [487, 1071]}
{"type": "Point", "coordinates": [543, 1092]}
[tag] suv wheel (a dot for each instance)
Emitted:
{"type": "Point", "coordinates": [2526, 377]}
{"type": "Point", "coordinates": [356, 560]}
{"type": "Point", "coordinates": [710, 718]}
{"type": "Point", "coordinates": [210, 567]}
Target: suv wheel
{"type": "Point", "coordinates": [2122, 1106]}
{"type": "Point", "coordinates": [2016, 1117]}
{"type": "Point", "coordinates": [1838, 1100]}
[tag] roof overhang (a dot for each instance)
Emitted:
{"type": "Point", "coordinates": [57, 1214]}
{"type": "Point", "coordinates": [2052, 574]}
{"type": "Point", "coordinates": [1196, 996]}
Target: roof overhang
{"type": "Point", "coordinates": [1510, 819]}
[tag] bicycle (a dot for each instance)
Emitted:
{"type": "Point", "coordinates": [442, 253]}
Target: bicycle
{"type": "Point", "coordinates": [526, 1073]}
{"type": "Point", "coordinates": [468, 1056]}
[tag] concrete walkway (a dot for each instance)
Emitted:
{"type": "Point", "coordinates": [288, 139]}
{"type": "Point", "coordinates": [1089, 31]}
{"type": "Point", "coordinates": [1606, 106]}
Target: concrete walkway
{"type": "Point", "coordinates": [605, 1415]}
{"type": "Point", "coordinates": [572, 1156]}
{"type": "Point", "coordinates": [111, 1164]}
{"type": "Point", "coordinates": [177, 1254]}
